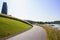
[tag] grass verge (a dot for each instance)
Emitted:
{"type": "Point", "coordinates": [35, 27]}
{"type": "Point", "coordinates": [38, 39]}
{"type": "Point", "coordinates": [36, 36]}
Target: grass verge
{"type": "Point", "coordinates": [52, 33]}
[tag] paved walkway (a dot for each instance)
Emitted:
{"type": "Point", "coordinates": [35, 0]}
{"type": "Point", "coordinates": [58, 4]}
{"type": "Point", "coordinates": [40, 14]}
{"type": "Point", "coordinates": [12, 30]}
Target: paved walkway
{"type": "Point", "coordinates": [36, 33]}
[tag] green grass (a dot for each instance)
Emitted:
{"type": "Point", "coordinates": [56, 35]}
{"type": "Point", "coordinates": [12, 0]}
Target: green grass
{"type": "Point", "coordinates": [52, 33]}
{"type": "Point", "coordinates": [10, 27]}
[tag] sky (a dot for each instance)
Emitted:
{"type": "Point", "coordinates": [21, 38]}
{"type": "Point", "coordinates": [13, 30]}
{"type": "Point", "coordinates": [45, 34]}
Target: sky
{"type": "Point", "coordinates": [37, 10]}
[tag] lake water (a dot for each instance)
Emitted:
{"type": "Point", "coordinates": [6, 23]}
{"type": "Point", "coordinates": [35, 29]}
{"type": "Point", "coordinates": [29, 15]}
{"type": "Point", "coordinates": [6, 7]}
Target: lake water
{"type": "Point", "coordinates": [54, 25]}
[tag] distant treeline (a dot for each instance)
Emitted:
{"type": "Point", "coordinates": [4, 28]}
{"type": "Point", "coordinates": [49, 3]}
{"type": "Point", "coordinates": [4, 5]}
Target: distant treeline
{"type": "Point", "coordinates": [37, 22]}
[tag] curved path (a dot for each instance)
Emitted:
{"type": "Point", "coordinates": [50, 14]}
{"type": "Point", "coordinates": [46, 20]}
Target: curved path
{"type": "Point", "coordinates": [36, 33]}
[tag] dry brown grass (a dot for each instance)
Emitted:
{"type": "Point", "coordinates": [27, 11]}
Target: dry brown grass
{"type": "Point", "coordinates": [52, 33]}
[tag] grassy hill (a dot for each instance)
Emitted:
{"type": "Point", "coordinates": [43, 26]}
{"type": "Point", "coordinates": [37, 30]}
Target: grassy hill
{"type": "Point", "coordinates": [10, 26]}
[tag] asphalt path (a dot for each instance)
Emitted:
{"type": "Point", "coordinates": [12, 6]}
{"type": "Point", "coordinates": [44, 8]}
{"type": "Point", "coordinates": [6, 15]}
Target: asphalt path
{"type": "Point", "coordinates": [36, 33]}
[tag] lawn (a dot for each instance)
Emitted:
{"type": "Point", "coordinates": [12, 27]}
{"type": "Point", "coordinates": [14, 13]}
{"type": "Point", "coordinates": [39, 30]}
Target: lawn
{"type": "Point", "coordinates": [10, 27]}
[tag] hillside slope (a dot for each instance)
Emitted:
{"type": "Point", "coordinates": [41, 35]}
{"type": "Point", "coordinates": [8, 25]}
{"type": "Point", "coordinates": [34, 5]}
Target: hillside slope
{"type": "Point", "coordinates": [10, 26]}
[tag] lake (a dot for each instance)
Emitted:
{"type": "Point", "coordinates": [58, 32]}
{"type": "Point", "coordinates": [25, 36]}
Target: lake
{"type": "Point", "coordinates": [54, 25]}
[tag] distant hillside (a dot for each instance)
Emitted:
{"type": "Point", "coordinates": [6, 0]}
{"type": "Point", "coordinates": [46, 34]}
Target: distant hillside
{"type": "Point", "coordinates": [33, 22]}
